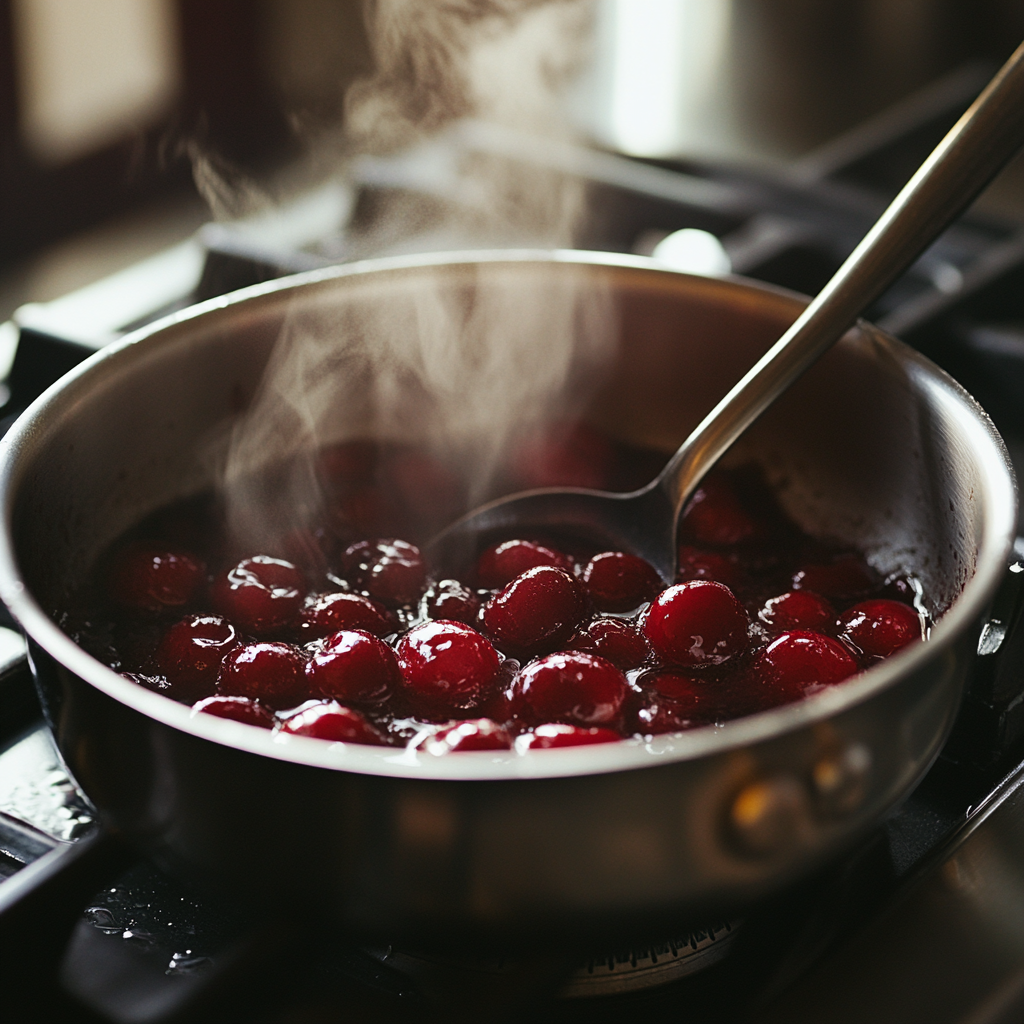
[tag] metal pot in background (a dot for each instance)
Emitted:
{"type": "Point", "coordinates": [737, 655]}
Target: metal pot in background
{"type": "Point", "coordinates": [874, 445]}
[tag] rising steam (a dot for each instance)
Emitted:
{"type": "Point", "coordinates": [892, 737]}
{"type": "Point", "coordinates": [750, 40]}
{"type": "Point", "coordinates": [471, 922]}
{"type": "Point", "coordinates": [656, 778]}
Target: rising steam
{"type": "Point", "coordinates": [459, 362]}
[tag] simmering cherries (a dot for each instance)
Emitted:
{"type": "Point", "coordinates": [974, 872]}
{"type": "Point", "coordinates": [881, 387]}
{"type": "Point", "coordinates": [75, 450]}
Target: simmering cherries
{"type": "Point", "coordinates": [697, 623]}
{"type": "Point", "coordinates": [534, 644]}
{"type": "Point", "coordinates": [446, 665]}
{"type": "Point", "coordinates": [536, 612]}
{"type": "Point", "coordinates": [260, 594]}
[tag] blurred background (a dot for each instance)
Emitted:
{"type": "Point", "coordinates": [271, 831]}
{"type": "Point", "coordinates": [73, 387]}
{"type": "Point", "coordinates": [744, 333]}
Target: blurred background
{"type": "Point", "coordinates": [105, 103]}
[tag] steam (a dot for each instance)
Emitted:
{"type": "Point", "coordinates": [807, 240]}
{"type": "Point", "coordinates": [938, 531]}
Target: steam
{"type": "Point", "coordinates": [461, 362]}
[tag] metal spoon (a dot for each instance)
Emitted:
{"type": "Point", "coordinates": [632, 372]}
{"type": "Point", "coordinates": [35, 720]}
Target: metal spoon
{"type": "Point", "coordinates": [645, 521]}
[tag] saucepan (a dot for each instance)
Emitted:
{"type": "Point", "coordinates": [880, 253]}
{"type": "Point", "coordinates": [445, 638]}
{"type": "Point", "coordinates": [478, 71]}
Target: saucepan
{"type": "Point", "coordinates": [875, 445]}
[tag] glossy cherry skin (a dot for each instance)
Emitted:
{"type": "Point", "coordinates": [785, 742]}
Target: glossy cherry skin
{"type": "Point", "coordinates": [446, 666]}
{"type": "Point", "coordinates": [473, 734]}
{"type": "Point", "coordinates": [619, 582]}
{"type": "Point", "coordinates": [191, 652]}
{"type": "Point", "coordinates": [502, 563]}
{"type": "Point", "coordinates": [449, 599]}
{"type": "Point", "coordinates": [393, 571]}
{"type": "Point", "coordinates": [696, 623]}
{"type": "Point", "coordinates": [570, 687]}
{"type": "Point", "coordinates": [715, 516]}
{"type": "Point", "coordinates": [272, 673]}
{"type": "Point", "coordinates": [845, 578]}
{"type": "Point", "coordinates": [353, 666]}
{"type": "Point", "coordinates": [330, 612]}
{"type": "Point", "coordinates": [558, 734]}
{"type": "Point", "coordinates": [537, 612]}
{"type": "Point", "coordinates": [329, 720]}
{"type": "Point", "coordinates": [148, 577]}
{"type": "Point", "coordinates": [798, 609]}
{"type": "Point", "coordinates": [880, 627]}
{"type": "Point", "coordinates": [260, 595]}
{"type": "Point", "coordinates": [615, 641]}
{"type": "Point", "coordinates": [801, 661]}
{"type": "Point", "coordinates": [238, 709]}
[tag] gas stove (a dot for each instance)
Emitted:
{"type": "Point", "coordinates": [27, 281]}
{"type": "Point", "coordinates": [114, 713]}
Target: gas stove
{"type": "Point", "coordinates": [923, 921]}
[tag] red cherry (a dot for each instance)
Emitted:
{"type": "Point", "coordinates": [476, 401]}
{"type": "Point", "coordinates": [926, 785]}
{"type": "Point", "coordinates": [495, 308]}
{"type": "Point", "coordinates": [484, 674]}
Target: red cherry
{"type": "Point", "coordinates": [618, 582]}
{"type": "Point", "coordinates": [798, 609]}
{"type": "Point", "coordinates": [536, 612]}
{"type": "Point", "coordinates": [881, 627]}
{"type": "Point", "coordinates": [557, 734]}
{"type": "Point", "coordinates": [474, 734]}
{"type": "Point", "coordinates": [191, 652]}
{"type": "Point", "coordinates": [260, 594]}
{"type": "Point", "coordinates": [569, 456]}
{"type": "Point", "coordinates": [238, 709]}
{"type": "Point", "coordinates": [272, 673]}
{"type": "Point", "coordinates": [801, 662]}
{"type": "Point", "coordinates": [330, 612]}
{"type": "Point", "coordinates": [845, 578]}
{"type": "Point", "coordinates": [502, 563]}
{"type": "Point", "coordinates": [715, 515]}
{"type": "Point", "coordinates": [148, 577]}
{"type": "Point", "coordinates": [450, 600]}
{"type": "Point", "coordinates": [615, 641]}
{"type": "Point", "coordinates": [446, 666]}
{"type": "Point", "coordinates": [571, 687]}
{"type": "Point", "coordinates": [329, 720]}
{"type": "Point", "coordinates": [354, 666]}
{"type": "Point", "coordinates": [393, 571]}
{"type": "Point", "coordinates": [696, 623]}
{"type": "Point", "coordinates": [695, 564]}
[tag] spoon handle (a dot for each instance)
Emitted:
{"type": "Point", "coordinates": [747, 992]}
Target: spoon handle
{"type": "Point", "coordinates": [971, 154]}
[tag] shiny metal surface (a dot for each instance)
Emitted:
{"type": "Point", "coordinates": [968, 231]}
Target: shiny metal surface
{"type": "Point", "coordinates": [975, 149]}
{"type": "Point", "coordinates": [873, 444]}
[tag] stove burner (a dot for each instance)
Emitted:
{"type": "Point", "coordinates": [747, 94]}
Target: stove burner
{"type": "Point", "coordinates": [630, 970]}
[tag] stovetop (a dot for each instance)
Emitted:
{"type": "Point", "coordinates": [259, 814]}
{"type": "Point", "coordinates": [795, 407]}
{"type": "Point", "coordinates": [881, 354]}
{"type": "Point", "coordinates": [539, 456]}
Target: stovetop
{"type": "Point", "coordinates": [923, 921]}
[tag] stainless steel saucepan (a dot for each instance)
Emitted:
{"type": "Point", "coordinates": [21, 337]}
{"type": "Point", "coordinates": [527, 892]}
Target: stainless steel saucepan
{"type": "Point", "coordinates": [874, 445]}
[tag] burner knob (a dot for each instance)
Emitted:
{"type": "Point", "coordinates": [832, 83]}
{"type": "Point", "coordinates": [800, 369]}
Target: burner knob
{"type": "Point", "coordinates": [771, 815]}
{"type": "Point", "coordinates": [840, 779]}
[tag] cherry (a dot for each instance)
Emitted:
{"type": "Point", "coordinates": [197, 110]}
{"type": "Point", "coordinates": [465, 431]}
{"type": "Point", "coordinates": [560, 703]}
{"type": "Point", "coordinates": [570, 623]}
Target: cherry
{"type": "Point", "coordinates": [449, 599]}
{"type": "Point", "coordinates": [537, 612]}
{"type": "Point", "coordinates": [800, 662]}
{"type": "Point", "coordinates": [329, 720]}
{"type": "Point", "coordinates": [618, 582]}
{"type": "Point", "coordinates": [260, 594]}
{"type": "Point", "coordinates": [715, 516]}
{"type": "Point", "coordinates": [473, 734]}
{"type": "Point", "coordinates": [695, 564]}
{"type": "Point", "coordinates": [328, 613]}
{"type": "Point", "coordinates": [845, 578]}
{"type": "Point", "coordinates": [353, 665]}
{"type": "Point", "coordinates": [881, 627]}
{"type": "Point", "coordinates": [393, 571]}
{"type": "Point", "coordinates": [557, 734]}
{"type": "Point", "coordinates": [502, 563]}
{"type": "Point", "coordinates": [798, 609]}
{"type": "Point", "coordinates": [571, 687]}
{"type": "Point", "coordinates": [238, 709]}
{"type": "Point", "coordinates": [148, 577]}
{"type": "Point", "coordinates": [696, 623]}
{"type": "Point", "coordinates": [269, 672]}
{"type": "Point", "coordinates": [191, 652]}
{"type": "Point", "coordinates": [615, 641]}
{"type": "Point", "coordinates": [446, 665]}
{"type": "Point", "coordinates": [571, 456]}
